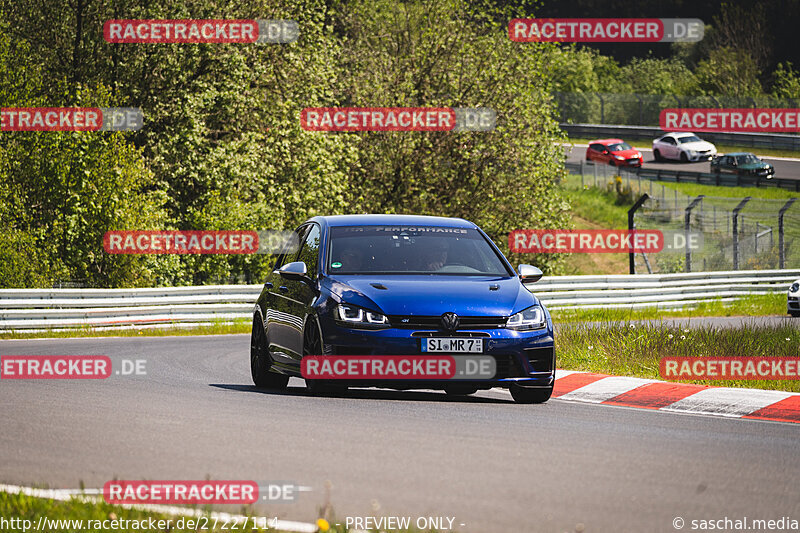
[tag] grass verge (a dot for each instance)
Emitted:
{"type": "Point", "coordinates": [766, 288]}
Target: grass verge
{"type": "Point", "coordinates": [241, 325]}
{"type": "Point", "coordinates": [626, 349]}
{"type": "Point", "coordinates": [748, 306]}
{"type": "Point", "coordinates": [78, 514]}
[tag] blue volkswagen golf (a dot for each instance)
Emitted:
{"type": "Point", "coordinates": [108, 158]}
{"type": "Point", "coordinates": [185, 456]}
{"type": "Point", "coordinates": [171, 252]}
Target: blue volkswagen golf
{"type": "Point", "coordinates": [401, 285]}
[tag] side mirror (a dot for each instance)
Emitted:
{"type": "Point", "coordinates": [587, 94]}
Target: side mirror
{"type": "Point", "coordinates": [605, 152]}
{"type": "Point", "coordinates": [529, 273]}
{"type": "Point", "coordinates": [295, 271]}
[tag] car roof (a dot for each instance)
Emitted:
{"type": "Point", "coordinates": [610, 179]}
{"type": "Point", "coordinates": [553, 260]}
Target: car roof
{"type": "Point", "coordinates": [676, 133]}
{"type": "Point", "coordinates": [376, 220]}
{"type": "Point", "coordinates": [607, 141]}
{"type": "Point", "coordinates": [741, 153]}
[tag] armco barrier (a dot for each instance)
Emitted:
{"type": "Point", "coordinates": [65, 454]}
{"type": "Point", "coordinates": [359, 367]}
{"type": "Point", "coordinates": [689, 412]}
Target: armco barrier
{"type": "Point", "coordinates": [22, 309]}
{"type": "Point", "coordinates": [777, 141]}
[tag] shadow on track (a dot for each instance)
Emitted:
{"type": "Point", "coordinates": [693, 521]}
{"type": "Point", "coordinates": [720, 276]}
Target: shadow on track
{"type": "Point", "coordinates": [366, 394]}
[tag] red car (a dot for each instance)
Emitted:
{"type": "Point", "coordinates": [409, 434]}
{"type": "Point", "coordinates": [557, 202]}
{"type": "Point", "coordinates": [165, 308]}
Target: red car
{"type": "Point", "coordinates": [615, 152]}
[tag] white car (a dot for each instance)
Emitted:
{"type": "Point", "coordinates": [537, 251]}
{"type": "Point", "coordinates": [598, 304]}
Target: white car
{"type": "Point", "coordinates": [685, 146]}
{"type": "Point", "coordinates": [793, 302]}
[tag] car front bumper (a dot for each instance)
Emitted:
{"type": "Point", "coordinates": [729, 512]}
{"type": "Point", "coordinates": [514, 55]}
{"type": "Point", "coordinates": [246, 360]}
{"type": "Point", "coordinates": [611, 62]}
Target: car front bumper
{"type": "Point", "coordinates": [525, 358]}
{"type": "Point", "coordinates": [793, 304]}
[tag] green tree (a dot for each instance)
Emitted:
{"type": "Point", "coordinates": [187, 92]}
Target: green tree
{"type": "Point", "coordinates": [449, 54]}
{"type": "Point", "coordinates": [729, 72]}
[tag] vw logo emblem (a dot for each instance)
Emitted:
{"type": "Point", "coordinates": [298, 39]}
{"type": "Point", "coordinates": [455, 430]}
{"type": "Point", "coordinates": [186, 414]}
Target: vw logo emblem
{"type": "Point", "coordinates": [450, 321]}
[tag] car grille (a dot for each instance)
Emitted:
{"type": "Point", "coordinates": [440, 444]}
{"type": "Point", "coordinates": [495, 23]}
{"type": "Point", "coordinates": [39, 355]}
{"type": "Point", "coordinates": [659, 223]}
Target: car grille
{"type": "Point", "coordinates": [435, 322]}
{"type": "Point", "coordinates": [635, 161]}
{"type": "Point", "coordinates": [507, 367]}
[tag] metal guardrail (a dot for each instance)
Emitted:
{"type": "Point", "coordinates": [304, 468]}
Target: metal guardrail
{"type": "Point", "coordinates": [685, 176]}
{"type": "Point", "coordinates": [25, 309]}
{"type": "Point", "coordinates": [777, 141]}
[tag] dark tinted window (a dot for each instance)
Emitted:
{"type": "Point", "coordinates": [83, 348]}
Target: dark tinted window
{"type": "Point", "coordinates": [309, 253]}
{"type": "Point", "coordinates": [412, 250]}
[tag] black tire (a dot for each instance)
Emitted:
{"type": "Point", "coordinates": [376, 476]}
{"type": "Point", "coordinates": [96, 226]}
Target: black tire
{"type": "Point", "coordinates": [657, 155]}
{"type": "Point", "coordinates": [312, 345]}
{"type": "Point", "coordinates": [523, 395]}
{"type": "Point", "coordinates": [260, 361]}
{"type": "Point", "coordinates": [684, 158]}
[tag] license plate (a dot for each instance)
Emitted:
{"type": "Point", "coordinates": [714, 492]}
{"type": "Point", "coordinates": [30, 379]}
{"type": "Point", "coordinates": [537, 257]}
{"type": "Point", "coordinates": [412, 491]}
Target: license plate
{"type": "Point", "coordinates": [452, 345]}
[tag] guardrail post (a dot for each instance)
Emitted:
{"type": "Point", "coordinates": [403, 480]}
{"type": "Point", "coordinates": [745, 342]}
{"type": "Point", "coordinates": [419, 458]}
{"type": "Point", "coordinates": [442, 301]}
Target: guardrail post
{"type": "Point", "coordinates": [736, 231]}
{"type": "Point", "coordinates": [781, 249]}
{"type": "Point", "coordinates": [631, 226]}
{"type": "Point", "coordinates": [686, 227]}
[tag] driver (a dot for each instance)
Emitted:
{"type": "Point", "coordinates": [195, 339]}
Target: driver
{"type": "Point", "coordinates": [434, 257]}
{"type": "Point", "coordinates": [352, 258]}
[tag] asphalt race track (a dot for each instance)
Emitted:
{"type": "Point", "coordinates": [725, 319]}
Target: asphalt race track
{"type": "Point", "coordinates": [492, 464]}
{"type": "Point", "coordinates": [783, 168]}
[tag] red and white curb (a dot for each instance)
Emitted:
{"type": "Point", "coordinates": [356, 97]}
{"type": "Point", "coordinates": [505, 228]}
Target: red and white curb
{"type": "Point", "coordinates": [757, 404]}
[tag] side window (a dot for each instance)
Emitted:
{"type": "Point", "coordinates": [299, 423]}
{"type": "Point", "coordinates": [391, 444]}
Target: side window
{"type": "Point", "coordinates": [290, 247]}
{"type": "Point", "coordinates": [309, 252]}
{"type": "Point", "coordinates": [669, 140]}
{"type": "Point", "coordinates": [597, 147]}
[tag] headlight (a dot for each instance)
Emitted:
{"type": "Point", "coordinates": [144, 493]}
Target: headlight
{"type": "Point", "coordinates": [795, 286]}
{"type": "Point", "coordinates": [530, 318]}
{"type": "Point", "coordinates": [356, 316]}
{"type": "Point", "coordinates": [618, 157]}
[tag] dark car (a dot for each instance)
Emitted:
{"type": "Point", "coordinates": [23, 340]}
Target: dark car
{"type": "Point", "coordinates": [743, 163]}
{"type": "Point", "coordinates": [384, 285]}
{"type": "Point", "coordinates": [615, 152]}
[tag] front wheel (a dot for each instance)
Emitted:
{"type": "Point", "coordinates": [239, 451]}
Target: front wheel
{"type": "Point", "coordinates": [657, 155]}
{"type": "Point", "coordinates": [684, 158]}
{"type": "Point", "coordinates": [529, 395]}
{"type": "Point", "coordinates": [260, 361]}
{"type": "Point", "coordinates": [312, 345]}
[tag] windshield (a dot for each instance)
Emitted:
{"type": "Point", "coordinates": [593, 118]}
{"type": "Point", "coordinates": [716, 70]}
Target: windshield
{"type": "Point", "coordinates": [618, 147]}
{"type": "Point", "coordinates": [689, 139]}
{"type": "Point", "coordinates": [412, 250]}
{"type": "Point", "coordinates": [748, 159]}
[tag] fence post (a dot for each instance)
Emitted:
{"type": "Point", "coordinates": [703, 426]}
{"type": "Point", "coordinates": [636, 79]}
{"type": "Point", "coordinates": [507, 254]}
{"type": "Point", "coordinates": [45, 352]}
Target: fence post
{"type": "Point", "coordinates": [781, 249]}
{"type": "Point", "coordinates": [583, 166]}
{"type": "Point", "coordinates": [736, 231]}
{"type": "Point", "coordinates": [631, 226]}
{"type": "Point", "coordinates": [602, 108]}
{"type": "Point", "coordinates": [686, 227]}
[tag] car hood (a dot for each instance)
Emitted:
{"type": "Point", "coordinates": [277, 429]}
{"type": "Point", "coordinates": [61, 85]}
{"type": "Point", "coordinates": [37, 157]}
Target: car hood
{"type": "Point", "coordinates": [433, 295]}
{"type": "Point", "coordinates": [628, 154]}
{"type": "Point", "coordinates": [698, 146]}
